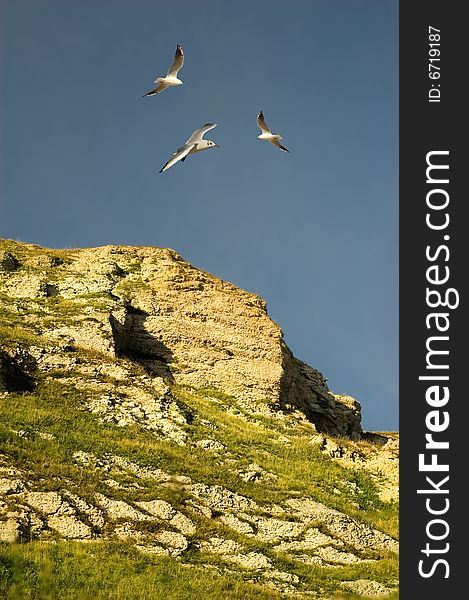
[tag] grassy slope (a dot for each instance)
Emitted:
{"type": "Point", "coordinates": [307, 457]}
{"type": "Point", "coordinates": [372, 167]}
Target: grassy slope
{"type": "Point", "coordinates": [115, 570]}
{"type": "Point", "coordinates": [58, 409]}
{"type": "Point", "coordinates": [75, 571]}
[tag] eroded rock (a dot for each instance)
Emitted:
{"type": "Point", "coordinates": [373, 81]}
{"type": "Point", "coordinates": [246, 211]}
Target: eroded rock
{"type": "Point", "coordinates": [179, 323]}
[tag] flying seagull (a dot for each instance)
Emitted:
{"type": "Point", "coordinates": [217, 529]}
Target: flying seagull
{"type": "Point", "coordinates": [266, 134]}
{"type": "Point", "coordinates": [171, 78]}
{"type": "Point", "coordinates": [195, 143]}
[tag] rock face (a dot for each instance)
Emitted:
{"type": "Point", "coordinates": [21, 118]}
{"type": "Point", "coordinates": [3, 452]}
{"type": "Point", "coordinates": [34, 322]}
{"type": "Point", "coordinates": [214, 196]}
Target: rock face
{"type": "Point", "coordinates": [180, 323]}
{"type": "Point", "coordinates": [145, 401]}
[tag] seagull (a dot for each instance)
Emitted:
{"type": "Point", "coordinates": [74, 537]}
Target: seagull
{"type": "Point", "coordinates": [195, 143]}
{"type": "Point", "coordinates": [171, 78]}
{"type": "Point", "coordinates": [266, 134]}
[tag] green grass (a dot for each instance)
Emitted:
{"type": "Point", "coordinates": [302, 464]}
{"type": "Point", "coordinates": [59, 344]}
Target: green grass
{"type": "Point", "coordinates": [126, 288]}
{"type": "Point", "coordinates": [116, 570]}
{"type": "Point", "coordinates": [107, 571]}
{"type": "Point", "coordinates": [58, 408]}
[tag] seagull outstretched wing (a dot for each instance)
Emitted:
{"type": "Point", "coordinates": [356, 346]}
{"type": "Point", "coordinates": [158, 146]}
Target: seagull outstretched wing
{"type": "Point", "coordinates": [199, 133]}
{"type": "Point", "coordinates": [180, 154]}
{"type": "Point", "coordinates": [161, 87]}
{"type": "Point", "coordinates": [262, 124]}
{"type": "Point", "coordinates": [177, 63]}
{"type": "Point", "coordinates": [277, 143]}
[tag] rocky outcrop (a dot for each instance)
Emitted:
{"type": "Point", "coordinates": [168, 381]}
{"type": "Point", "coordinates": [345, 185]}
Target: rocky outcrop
{"type": "Point", "coordinates": [380, 459]}
{"type": "Point", "coordinates": [299, 528]}
{"type": "Point", "coordinates": [182, 324]}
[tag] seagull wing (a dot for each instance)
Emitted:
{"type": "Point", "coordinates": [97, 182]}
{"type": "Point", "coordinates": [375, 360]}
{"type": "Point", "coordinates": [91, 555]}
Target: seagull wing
{"type": "Point", "coordinates": [180, 154]}
{"type": "Point", "coordinates": [262, 124]}
{"type": "Point", "coordinates": [199, 133]}
{"type": "Point", "coordinates": [178, 62]}
{"type": "Point", "coordinates": [159, 88]}
{"type": "Point", "coordinates": [276, 142]}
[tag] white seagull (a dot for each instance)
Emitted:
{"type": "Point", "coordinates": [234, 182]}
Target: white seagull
{"type": "Point", "coordinates": [171, 78]}
{"type": "Point", "coordinates": [194, 144]}
{"type": "Point", "coordinates": [266, 134]}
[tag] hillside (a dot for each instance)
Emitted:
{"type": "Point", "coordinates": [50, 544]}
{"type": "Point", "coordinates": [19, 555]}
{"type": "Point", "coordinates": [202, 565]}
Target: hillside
{"type": "Point", "coordinates": [154, 412]}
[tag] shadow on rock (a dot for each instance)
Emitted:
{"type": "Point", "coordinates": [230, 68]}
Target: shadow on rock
{"type": "Point", "coordinates": [133, 341]}
{"type": "Point", "coordinates": [305, 389]}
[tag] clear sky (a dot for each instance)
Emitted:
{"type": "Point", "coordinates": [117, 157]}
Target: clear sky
{"type": "Point", "coordinates": [314, 232]}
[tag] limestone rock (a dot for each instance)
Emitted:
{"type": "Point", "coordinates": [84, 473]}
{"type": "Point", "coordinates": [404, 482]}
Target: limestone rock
{"type": "Point", "coordinates": [220, 498]}
{"type": "Point", "coordinates": [237, 524]}
{"type": "Point", "coordinates": [343, 527]}
{"type": "Point", "coordinates": [217, 545]}
{"type": "Point", "coordinates": [312, 539]}
{"type": "Point", "coordinates": [118, 509]}
{"type": "Point", "coordinates": [18, 524]}
{"type": "Point", "coordinates": [252, 560]}
{"type": "Point", "coordinates": [211, 445]}
{"type": "Point", "coordinates": [93, 335]}
{"type": "Point", "coordinates": [332, 555]}
{"type": "Point", "coordinates": [69, 527]}
{"type": "Point", "coordinates": [270, 529]}
{"type": "Point", "coordinates": [93, 514]}
{"type": "Point", "coordinates": [48, 503]}
{"type": "Point", "coordinates": [366, 587]}
{"type": "Point", "coordinates": [26, 286]}
{"type": "Point", "coordinates": [163, 510]}
{"type": "Point", "coordinates": [9, 530]}
{"type": "Point", "coordinates": [256, 473]}
{"type": "Point", "coordinates": [176, 543]}
{"type": "Point", "coordinates": [10, 486]}
{"type": "Point", "coordinates": [181, 324]}
{"type": "Point", "coordinates": [154, 550]}
{"type": "Point", "coordinates": [381, 460]}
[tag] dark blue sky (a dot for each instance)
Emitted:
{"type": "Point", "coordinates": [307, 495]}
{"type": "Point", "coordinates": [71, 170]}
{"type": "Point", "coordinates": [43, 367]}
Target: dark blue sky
{"type": "Point", "coordinates": [314, 232]}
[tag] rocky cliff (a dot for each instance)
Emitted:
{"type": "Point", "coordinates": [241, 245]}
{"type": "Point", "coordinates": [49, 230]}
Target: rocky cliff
{"type": "Point", "coordinates": [130, 370]}
{"type": "Point", "coordinates": [181, 324]}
